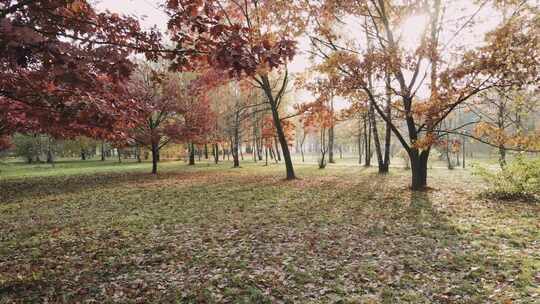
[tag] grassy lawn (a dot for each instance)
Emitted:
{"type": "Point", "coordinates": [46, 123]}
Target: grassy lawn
{"type": "Point", "coordinates": [105, 232]}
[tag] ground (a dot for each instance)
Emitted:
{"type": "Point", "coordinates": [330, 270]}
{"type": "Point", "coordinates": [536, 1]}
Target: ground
{"type": "Point", "coordinates": [104, 232]}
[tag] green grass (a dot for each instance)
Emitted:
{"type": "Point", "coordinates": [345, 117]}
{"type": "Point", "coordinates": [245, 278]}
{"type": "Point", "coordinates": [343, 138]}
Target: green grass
{"type": "Point", "coordinates": [212, 234]}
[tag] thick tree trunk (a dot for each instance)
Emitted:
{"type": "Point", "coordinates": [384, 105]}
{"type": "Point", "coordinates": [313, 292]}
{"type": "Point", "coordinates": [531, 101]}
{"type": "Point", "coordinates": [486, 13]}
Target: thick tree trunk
{"type": "Point", "coordinates": [155, 152]}
{"type": "Point", "coordinates": [419, 169]}
{"type": "Point", "coordinates": [83, 155]}
{"type": "Point", "coordinates": [191, 154]}
{"type": "Point", "coordinates": [119, 155]}
{"type": "Point", "coordinates": [205, 151]}
{"type": "Point", "coordinates": [283, 142]}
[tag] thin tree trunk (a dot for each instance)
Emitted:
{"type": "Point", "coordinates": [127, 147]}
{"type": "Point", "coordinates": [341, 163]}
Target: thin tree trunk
{"type": "Point", "coordinates": [360, 147]}
{"type": "Point", "coordinates": [367, 141]}
{"type": "Point", "coordinates": [102, 150]}
{"type": "Point", "coordinates": [215, 147]}
{"type": "Point", "coordinates": [277, 149]}
{"type": "Point", "coordinates": [331, 135]}
{"type": "Point", "coordinates": [388, 136]}
{"type": "Point", "coordinates": [234, 149]}
{"type": "Point", "coordinates": [463, 150]}
{"type": "Point", "coordinates": [155, 152]}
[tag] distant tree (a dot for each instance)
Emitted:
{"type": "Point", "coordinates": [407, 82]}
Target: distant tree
{"type": "Point", "coordinates": [170, 109]}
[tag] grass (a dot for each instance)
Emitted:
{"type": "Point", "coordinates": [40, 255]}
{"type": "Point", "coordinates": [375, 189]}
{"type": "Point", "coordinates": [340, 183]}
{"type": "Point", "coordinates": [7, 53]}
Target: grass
{"type": "Point", "coordinates": [211, 234]}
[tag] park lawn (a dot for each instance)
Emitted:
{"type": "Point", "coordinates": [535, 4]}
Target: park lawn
{"type": "Point", "coordinates": [212, 234]}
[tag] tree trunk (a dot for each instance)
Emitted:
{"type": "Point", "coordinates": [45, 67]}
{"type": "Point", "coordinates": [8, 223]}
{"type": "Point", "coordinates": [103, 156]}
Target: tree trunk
{"type": "Point", "coordinates": [367, 141]}
{"type": "Point", "coordinates": [191, 154]}
{"type": "Point", "coordinates": [103, 150]}
{"type": "Point", "coordinates": [50, 154]}
{"type": "Point", "coordinates": [376, 141]}
{"type": "Point", "coordinates": [302, 147]}
{"type": "Point", "coordinates": [388, 136]}
{"type": "Point", "coordinates": [419, 169]}
{"type": "Point", "coordinates": [277, 149]}
{"type": "Point", "coordinates": [234, 149]}
{"type": "Point", "coordinates": [83, 155]}
{"type": "Point", "coordinates": [331, 135]}
{"type": "Point", "coordinates": [502, 156]}
{"type": "Point", "coordinates": [279, 128]}
{"type": "Point", "coordinates": [215, 147]}
{"type": "Point", "coordinates": [155, 151]}
{"type": "Point", "coordinates": [205, 151]}
{"type": "Point", "coordinates": [241, 152]}
{"type": "Point", "coordinates": [463, 150]}
{"type": "Point", "coordinates": [322, 162]}
{"type": "Point", "coordinates": [138, 153]}
{"type": "Point", "coordinates": [119, 155]}
{"type": "Point", "coordinates": [272, 155]}
{"type": "Point", "coordinates": [360, 141]}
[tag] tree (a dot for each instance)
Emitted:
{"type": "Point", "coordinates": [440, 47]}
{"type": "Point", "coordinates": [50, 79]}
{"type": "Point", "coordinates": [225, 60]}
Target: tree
{"type": "Point", "coordinates": [509, 57]}
{"type": "Point", "coordinates": [169, 107]}
{"type": "Point", "coordinates": [319, 116]}
{"type": "Point", "coordinates": [62, 64]}
{"type": "Point", "coordinates": [250, 39]}
{"type": "Point", "coordinates": [501, 117]}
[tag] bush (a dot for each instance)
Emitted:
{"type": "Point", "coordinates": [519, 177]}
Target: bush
{"type": "Point", "coordinates": [520, 179]}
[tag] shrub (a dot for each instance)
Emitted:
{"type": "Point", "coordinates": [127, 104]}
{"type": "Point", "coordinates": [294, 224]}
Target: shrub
{"type": "Point", "coordinates": [520, 179]}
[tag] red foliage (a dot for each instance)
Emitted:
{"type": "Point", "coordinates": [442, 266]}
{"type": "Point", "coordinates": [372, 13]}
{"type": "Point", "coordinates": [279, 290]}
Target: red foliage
{"type": "Point", "coordinates": [62, 66]}
{"type": "Point", "coordinates": [218, 34]}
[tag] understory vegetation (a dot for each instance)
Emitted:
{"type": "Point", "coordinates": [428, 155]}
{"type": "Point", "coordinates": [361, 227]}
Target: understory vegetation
{"type": "Point", "coordinates": [210, 234]}
{"type": "Point", "coordinates": [519, 180]}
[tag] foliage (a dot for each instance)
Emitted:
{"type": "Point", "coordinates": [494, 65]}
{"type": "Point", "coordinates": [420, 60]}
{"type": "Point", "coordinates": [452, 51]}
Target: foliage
{"type": "Point", "coordinates": [508, 58]}
{"type": "Point", "coordinates": [62, 66]}
{"type": "Point", "coordinates": [520, 179]}
{"type": "Point", "coordinates": [25, 147]}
